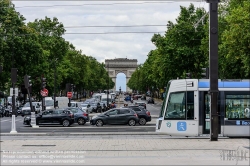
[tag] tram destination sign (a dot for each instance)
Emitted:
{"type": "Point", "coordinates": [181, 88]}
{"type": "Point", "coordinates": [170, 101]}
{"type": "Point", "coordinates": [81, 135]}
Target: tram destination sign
{"type": "Point", "coordinates": [237, 122]}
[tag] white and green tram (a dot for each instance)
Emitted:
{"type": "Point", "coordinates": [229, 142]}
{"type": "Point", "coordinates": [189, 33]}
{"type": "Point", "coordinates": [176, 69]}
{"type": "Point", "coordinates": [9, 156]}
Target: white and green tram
{"type": "Point", "coordinates": [186, 108]}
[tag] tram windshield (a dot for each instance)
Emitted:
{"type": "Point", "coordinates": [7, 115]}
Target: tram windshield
{"type": "Point", "coordinates": [180, 105]}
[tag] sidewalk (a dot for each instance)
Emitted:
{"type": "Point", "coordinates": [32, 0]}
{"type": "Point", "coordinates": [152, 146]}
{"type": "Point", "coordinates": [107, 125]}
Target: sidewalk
{"type": "Point", "coordinates": [122, 150]}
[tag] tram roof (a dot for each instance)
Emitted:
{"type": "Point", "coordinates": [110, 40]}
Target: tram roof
{"type": "Point", "coordinates": [226, 84]}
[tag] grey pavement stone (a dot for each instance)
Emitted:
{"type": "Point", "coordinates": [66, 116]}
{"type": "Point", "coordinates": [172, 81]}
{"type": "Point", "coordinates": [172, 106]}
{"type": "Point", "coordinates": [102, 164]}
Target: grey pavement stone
{"type": "Point", "coordinates": [133, 150]}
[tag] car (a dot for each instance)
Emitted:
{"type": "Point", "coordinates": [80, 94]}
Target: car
{"type": "Point", "coordinates": [2, 109]}
{"type": "Point", "coordinates": [26, 108]}
{"type": "Point", "coordinates": [19, 110]}
{"type": "Point", "coordinates": [104, 107]}
{"type": "Point", "coordinates": [74, 104]}
{"type": "Point", "coordinates": [94, 107]}
{"type": "Point", "coordinates": [143, 114]}
{"type": "Point", "coordinates": [141, 103]}
{"type": "Point", "coordinates": [81, 116]}
{"type": "Point", "coordinates": [151, 100]}
{"type": "Point", "coordinates": [52, 117]}
{"type": "Point", "coordinates": [127, 98]}
{"type": "Point", "coordinates": [135, 97]}
{"type": "Point", "coordinates": [116, 116]}
{"type": "Point", "coordinates": [143, 97]}
{"type": "Point", "coordinates": [86, 107]}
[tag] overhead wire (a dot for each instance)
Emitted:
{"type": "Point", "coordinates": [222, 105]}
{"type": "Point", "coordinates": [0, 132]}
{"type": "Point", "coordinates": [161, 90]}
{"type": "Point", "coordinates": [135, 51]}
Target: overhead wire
{"type": "Point", "coordinates": [103, 4]}
{"type": "Point", "coordinates": [103, 26]}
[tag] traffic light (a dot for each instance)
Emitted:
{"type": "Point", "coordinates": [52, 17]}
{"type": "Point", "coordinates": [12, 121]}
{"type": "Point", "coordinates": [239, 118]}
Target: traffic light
{"type": "Point", "coordinates": [1, 69]}
{"type": "Point", "coordinates": [24, 90]}
{"type": "Point", "coordinates": [72, 87]}
{"type": "Point", "coordinates": [205, 73]}
{"type": "Point", "coordinates": [1, 94]}
{"type": "Point", "coordinates": [68, 87]}
{"type": "Point", "coordinates": [44, 83]}
{"type": "Point", "coordinates": [14, 75]}
{"type": "Point", "coordinates": [188, 75]}
{"type": "Point", "coordinates": [27, 81]}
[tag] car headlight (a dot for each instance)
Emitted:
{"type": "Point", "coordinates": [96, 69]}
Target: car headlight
{"type": "Point", "coordinates": [93, 117]}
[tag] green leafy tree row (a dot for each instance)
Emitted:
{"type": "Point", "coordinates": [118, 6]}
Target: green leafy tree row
{"type": "Point", "coordinates": [39, 49]}
{"type": "Point", "coordinates": [184, 48]}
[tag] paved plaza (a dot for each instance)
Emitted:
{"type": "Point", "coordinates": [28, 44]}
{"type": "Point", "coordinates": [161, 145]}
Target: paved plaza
{"type": "Point", "coordinates": [121, 150]}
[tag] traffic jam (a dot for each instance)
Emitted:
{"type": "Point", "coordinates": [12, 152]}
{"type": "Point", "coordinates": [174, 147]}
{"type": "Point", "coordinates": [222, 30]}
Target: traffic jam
{"type": "Point", "coordinates": [100, 110]}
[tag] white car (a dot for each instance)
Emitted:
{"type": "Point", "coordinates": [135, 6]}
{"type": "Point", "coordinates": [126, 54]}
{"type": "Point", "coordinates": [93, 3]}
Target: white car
{"type": "Point", "coordinates": [26, 108]}
{"type": "Point", "coordinates": [86, 107]}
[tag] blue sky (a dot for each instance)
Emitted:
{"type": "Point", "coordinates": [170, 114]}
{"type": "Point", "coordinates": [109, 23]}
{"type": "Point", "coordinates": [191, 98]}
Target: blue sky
{"type": "Point", "coordinates": [121, 81]}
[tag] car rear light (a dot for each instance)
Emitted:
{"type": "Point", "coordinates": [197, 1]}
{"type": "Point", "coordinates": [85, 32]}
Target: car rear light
{"type": "Point", "coordinates": [84, 114]}
{"type": "Point", "coordinates": [71, 115]}
{"type": "Point", "coordinates": [148, 113]}
{"type": "Point", "coordinates": [136, 115]}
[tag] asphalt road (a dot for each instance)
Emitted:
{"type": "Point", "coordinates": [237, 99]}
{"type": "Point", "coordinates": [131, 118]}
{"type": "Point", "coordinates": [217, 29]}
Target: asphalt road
{"type": "Point", "coordinates": [5, 125]}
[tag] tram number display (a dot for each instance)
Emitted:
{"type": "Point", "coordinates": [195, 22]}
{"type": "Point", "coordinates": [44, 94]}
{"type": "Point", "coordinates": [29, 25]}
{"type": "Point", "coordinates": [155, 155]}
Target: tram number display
{"type": "Point", "coordinates": [238, 122]}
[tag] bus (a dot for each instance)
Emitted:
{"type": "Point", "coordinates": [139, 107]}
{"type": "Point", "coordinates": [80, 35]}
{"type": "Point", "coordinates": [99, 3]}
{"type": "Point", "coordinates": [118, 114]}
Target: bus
{"type": "Point", "coordinates": [186, 108]}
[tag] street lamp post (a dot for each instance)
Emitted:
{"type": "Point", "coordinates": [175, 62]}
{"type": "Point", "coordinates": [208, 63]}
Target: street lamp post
{"type": "Point", "coordinates": [108, 87]}
{"type": "Point", "coordinates": [55, 84]}
{"type": "Point", "coordinates": [213, 67]}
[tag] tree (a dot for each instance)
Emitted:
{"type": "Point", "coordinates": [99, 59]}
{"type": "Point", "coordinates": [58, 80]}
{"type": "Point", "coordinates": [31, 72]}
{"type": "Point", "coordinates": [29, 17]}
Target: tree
{"type": "Point", "coordinates": [235, 47]}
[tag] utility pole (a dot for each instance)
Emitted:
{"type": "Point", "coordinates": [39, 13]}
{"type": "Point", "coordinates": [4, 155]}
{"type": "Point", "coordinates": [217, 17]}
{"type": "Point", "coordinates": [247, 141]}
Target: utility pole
{"type": "Point", "coordinates": [213, 67]}
{"type": "Point", "coordinates": [55, 84]}
{"type": "Point", "coordinates": [108, 87]}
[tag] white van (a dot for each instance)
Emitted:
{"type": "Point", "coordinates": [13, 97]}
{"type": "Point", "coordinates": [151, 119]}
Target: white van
{"type": "Point", "coordinates": [62, 102]}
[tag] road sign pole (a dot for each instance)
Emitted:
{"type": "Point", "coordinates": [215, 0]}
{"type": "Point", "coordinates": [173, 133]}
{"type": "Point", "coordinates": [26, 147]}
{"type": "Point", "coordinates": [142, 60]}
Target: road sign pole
{"type": "Point", "coordinates": [42, 104]}
{"type": "Point", "coordinates": [13, 123]}
{"type": "Point", "coordinates": [33, 114]}
{"type": "Point", "coordinates": [13, 80]}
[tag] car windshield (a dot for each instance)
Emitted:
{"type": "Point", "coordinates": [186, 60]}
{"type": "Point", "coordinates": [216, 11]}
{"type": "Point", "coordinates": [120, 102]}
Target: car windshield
{"type": "Point", "coordinates": [84, 105]}
{"type": "Point", "coordinates": [28, 104]}
{"type": "Point", "coordinates": [75, 110]}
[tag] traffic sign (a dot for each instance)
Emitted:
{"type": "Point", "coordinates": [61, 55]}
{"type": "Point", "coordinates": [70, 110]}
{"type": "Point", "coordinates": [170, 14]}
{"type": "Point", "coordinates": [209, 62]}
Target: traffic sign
{"type": "Point", "coordinates": [69, 94]}
{"type": "Point", "coordinates": [16, 92]}
{"type": "Point", "coordinates": [44, 92]}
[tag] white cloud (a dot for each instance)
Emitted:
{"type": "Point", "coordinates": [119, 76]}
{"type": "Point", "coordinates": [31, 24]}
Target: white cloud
{"type": "Point", "coordinates": [107, 46]}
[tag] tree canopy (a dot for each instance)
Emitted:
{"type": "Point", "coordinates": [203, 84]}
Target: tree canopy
{"type": "Point", "coordinates": [39, 49]}
{"type": "Point", "coordinates": [184, 48]}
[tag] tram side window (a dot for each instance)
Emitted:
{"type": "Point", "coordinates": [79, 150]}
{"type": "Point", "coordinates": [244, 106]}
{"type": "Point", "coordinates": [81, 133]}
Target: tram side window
{"type": "Point", "coordinates": [237, 106]}
{"type": "Point", "coordinates": [190, 105]}
{"type": "Point", "coordinates": [176, 106]}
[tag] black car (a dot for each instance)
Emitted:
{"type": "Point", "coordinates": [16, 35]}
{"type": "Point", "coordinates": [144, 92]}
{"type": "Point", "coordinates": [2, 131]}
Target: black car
{"type": "Point", "coordinates": [116, 116]}
{"type": "Point", "coordinates": [151, 100]}
{"type": "Point", "coordinates": [2, 111]}
{"type": "Point", "coordinates": [81, 117]}
{"type": "Point", "coordinates": [52, 117]}
{"type": "Point", "coordinates": [25, 112]}
{"type": "Point", "coordinates": [143, 115]}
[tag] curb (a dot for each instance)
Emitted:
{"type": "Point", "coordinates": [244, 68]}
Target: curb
{"type": "Point", "coordinates": [78, 134]}
{"type": "Point", "coordinates": [109, 134]}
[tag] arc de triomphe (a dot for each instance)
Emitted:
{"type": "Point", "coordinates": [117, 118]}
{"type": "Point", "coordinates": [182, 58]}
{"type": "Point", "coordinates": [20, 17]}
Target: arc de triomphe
{"type": "Point", "coordinates": [121, 65]}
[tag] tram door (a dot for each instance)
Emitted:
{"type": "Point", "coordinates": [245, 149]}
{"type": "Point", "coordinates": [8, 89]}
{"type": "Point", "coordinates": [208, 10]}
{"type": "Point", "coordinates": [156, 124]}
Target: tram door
{"type": "Point", "coordinates": [207, 124]}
